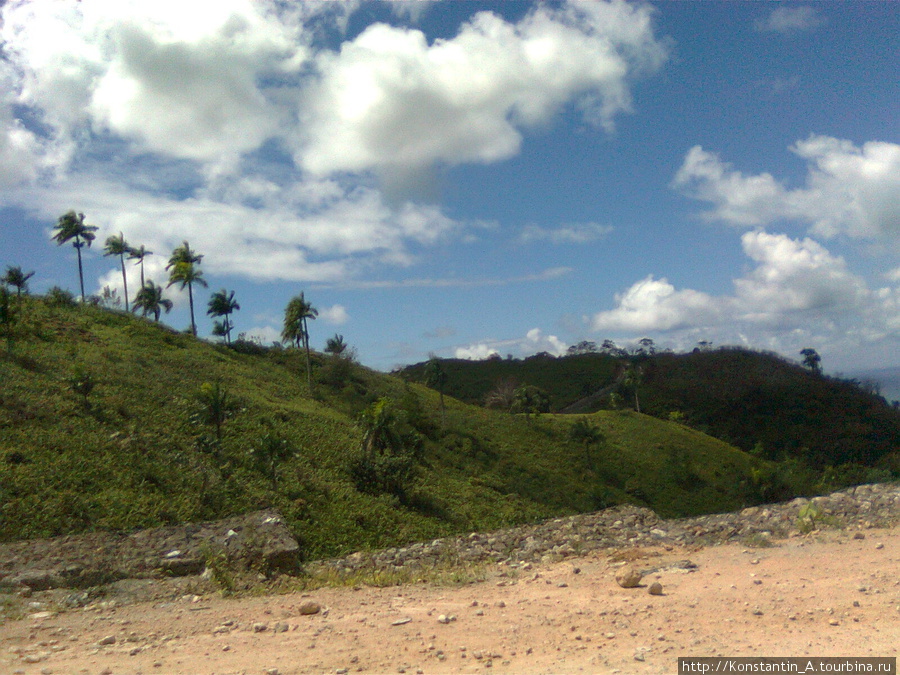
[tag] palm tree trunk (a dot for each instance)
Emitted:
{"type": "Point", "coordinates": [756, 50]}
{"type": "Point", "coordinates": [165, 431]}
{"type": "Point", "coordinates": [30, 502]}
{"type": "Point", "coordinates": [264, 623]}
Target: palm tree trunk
{"type": "Point", "coordinates": [191, 299]}
{"type": "Point", "coordinates": [80, 271]}
{"type": "Point", "coordinates": [124, 280]}
{"type": "Point", "coordinates": [308, 361]}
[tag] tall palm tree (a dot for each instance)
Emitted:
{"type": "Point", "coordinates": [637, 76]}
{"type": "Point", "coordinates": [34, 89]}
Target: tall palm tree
{"type": "Point", "coordinates": [222, 303]}
{"type": "Point", "coordinates": [634, 377]}
{"type": "Point", "coordinates": [139, 254]}
{"type": "Point", "coordinates": [117, 246]}
{"type": "Point", "coordinates": [16, 277]}
{"type": "Point", "coordinates": [150, 300]}
{"type": "Point", "coordinates": [296, 328]}
{"type": "Point", "coordinates": [436, 377]}
{"type": "Point", "coordinates": [71, 227]}
{"type": "Point", "coordinates": [182, 270]}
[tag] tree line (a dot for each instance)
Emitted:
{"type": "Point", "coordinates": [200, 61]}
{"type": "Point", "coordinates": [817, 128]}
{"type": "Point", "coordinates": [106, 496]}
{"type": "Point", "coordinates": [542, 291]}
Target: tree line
{"type": "Point", "coordinates": [184, 270]}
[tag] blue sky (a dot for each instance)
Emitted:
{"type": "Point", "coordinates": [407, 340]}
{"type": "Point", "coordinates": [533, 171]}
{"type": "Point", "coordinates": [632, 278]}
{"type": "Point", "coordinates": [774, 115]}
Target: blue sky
{"type": "Point", "coordinates": [468, 178]}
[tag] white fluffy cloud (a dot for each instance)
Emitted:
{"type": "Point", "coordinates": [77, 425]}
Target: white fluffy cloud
{"type": "Point", "coordinates": [336, 315]}
{"type": "Point", "coordinates": [173, 120]}
{"type": "Point", "coordinates": [849, 190]}
{"type": "Point", "coordinates": [389, 98]}
{"type": "Point", "coordinates": [796, 286]}
{"type": "Point", "coordinates": [533, 342]}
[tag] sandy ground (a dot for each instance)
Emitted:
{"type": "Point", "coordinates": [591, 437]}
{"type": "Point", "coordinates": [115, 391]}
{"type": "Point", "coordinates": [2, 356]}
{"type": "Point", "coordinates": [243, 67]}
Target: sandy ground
{"type": "Point", "coordinates": [827, 594]}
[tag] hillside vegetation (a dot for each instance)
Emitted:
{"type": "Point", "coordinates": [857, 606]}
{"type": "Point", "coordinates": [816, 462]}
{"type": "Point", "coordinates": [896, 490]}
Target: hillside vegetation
{"type": "Point", "coordinates": [823, 432]}
{"type": "Point", "coordinates": [109, 421]}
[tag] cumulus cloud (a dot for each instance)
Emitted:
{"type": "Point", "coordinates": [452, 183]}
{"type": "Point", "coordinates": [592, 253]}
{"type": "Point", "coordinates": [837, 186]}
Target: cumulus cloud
{"type": "Point", "coordinates": [534, 342]}
{"type": "Point", "coordinates": [389, 98]}
{"type": "Point", "coordinates": [336, 315]}
{"type": "Point", "coordinates": [241, 127]}
{"type": "Point", "coordinates": [797, 287]}
{"type": "Point", "coordinates": [576, 233]}
{"type": "Point", "coordinates": [790, 20]}
{"type": "Point", "coordinates": [849, 190]}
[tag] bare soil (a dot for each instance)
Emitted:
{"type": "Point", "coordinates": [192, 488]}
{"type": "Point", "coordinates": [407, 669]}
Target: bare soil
{"type": "Point", "coordinates": [834, 593]}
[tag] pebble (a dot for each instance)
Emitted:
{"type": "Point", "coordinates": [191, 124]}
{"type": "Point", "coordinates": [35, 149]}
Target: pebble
{"type": "Point", "coordinates": [259, 627]}
{"type": "Point", "coordinates": [655, 588]}
{"type": "Point", "coordinates": [108, 640]}
{"type": "Point", "coordinates": [310, 608]}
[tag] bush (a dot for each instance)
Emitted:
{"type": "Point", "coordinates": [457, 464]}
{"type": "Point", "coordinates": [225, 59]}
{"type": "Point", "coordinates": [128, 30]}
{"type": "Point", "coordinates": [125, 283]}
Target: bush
{"type": "Point", "coordinates": [59, 297]}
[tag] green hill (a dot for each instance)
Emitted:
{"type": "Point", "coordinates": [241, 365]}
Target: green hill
{"type": "Point", "coordinates": [759, 402]}
{"type": "Point", "coordinates": [107, 421]}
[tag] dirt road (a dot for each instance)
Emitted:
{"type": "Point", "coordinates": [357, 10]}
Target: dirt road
{"type": "Point", "coordinates": [827, 594]}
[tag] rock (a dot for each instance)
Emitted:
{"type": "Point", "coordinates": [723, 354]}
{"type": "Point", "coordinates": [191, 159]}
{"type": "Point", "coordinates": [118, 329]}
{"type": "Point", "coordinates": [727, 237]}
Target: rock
{"type": "Point", "coordinates": [281, 627]}
{"type": "Point", "coordinates": [260, 627]}
{"type": "Point", "coordinates": [443, 618]}
{"type": "Point", "coordinates": [628, 578]}
{"type": "Point", "coordinates": [655, 588]}
{"type": "Point", "coordinates": [309, 608]}
{"type": "Point", "coordinates": [859, 535]}
{"type": "Point", "coordinates": [108, 640]}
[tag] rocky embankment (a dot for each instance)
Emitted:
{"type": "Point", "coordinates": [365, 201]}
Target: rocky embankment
{"type": "Point", "coordinates": [262, 540]}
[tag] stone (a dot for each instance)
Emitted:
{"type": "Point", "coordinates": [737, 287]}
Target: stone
{"type": "Point", "coordinates": [629, 578]}
{"type": "Point", "coordinates": [108, 640]}
{"type": "Point", "coordinates": [655, 588]}
{"type": "Point", "coordinates": [309, 608]}
{"type": "Point", "coordinates": [260, 627]}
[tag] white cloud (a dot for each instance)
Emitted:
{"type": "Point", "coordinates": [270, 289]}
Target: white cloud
{"type": "Point", "coordinates": [534, 342]}
{"type": "Point", "coordinates": [336, 315]}
{"type": "Point", "coordinates": [797, 290]}
{"type": "Point", "coordinates": [390, 99]}
{"type": "Point", "coordinates": [475, 352]}
{"type": "Point", "coordinates": [849, 190]}
{"type": "Point", "coordinates": [790, 20]}
{"type": "Point", "coordinates": [576, 233]}
{"type": "Point", "coordinates": [172, 120]}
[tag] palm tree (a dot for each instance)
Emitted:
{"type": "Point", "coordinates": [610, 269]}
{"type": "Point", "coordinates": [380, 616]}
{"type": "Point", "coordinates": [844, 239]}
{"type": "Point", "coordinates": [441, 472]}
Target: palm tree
{"type": "Point", "coordinates": [296, 328]}
{"type": "Point", "coordinates": [150, 300]}
{"type": "Point", "coordinates": [117, 246]}
{"type": "Point", "coordinates": [222, 303]}
{"type": "Point", "coordinates": [183, 271]}
{"type": "Point", "coordinates": [16, 277]}
{"type": "Point", "coordinates": [336, 346]}
{"type": "Point", "coordinates": [634, 376]}
{"type": "Point", "coordinates": [587, 434]}
{"type": "Point", "coordinates": [139, 254]}
{"type": "Point", "coordinates": [71, 227]}
{"type": "Point", "coordinates": [436, 377]}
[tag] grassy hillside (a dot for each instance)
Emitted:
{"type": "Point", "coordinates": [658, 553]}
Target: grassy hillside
{"type": "Point", "coordinates": [102, 426]}
{"type": "Point", "coordinates": [759, 402]}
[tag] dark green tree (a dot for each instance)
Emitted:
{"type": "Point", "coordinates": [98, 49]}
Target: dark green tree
{"type": "Point", "coordinates": [271, 450]}
{"type": "Point", "coordinates": [116, 245]}
{"type": "Point", "coordinates": [150, 300]}
{"type": "Point", "coordinates": [586, 434]}
{"type": "Point", "coordinates": [388, 450]}
{"type": "Point", "coordinates": [216, 406]}
{"type": "Point", "coordinates": [530, 400]}
{"type": "Point", "coordinates": [297, 314]}
{"type": "Point", "coordinates": [222, 303]}
{"type": "Point", "coordinates": [71, 227]}
{"type": "Point", "coordinates": [8, 316]}
{"type": "Point", "coordinates": [811, 359]}
{"type": "Point", "coordinates": [18, 279]}
{"type": "Point", "coordinates": [183, 269]}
